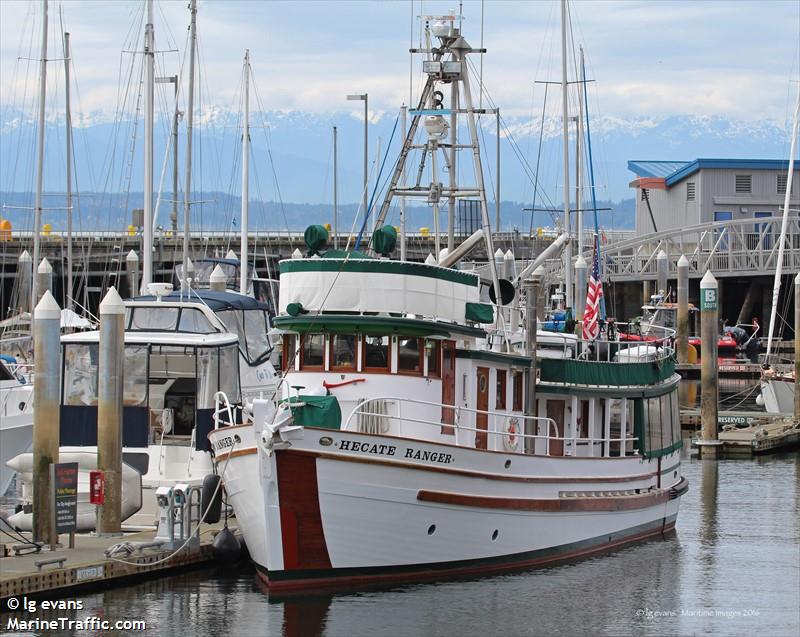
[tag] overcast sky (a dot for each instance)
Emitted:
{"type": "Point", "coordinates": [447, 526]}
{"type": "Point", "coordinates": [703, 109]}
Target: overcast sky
{"type": "Point", "coordinates": [649, 59]}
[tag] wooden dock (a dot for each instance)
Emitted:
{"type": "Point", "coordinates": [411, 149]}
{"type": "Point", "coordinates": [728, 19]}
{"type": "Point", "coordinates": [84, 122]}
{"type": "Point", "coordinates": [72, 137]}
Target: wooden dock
{"type": "Point", "coordinates": [780, 434]}
{"type": "Point", "coordinates": [730, 370]}
{"type": "Point", "coordinates": [64, 572]}
{"type": "Point", "coordinates": [690, 418]}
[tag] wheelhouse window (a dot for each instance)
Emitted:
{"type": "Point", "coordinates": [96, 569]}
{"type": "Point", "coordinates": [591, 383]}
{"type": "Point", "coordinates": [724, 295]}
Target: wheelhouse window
{"type": "Point", "coordinates": [409, 355]}
{"type": "Point", "coordinates": [343, 352]}
{"type": "Point", "coordinates": [376, 353]}
{"type": "Point", "coordinates": [500, 397]}
{"type": "Point", "coordinates": [256, 326]}
{"type": "Point", "coordinates": [313, 351]}
{"type": "Point", "coordinates": [433, 352]}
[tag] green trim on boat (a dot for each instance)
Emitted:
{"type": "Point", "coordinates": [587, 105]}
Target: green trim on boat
{"type": "Point", "coordinates": [494, 357]}
{"type": "Point", "coordinates": [480, 312]}
{"type": "Point", "coordinates": [609, 392]}
{"type": "Point", "coordinates": [575, 372]}
{"type": "Point", "coordinates": [377, 266]}
{"type": "Point", "coordinates": [371, 325]}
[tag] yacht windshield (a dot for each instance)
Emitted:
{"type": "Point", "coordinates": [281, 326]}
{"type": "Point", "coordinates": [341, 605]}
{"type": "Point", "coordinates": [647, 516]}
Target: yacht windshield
{"type": "Point", "coordinates": [251, 327]}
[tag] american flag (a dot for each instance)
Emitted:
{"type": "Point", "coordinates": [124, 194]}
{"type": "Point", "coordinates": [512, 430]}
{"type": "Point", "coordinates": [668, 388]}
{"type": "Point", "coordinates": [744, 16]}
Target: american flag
{"type": "Point", "coordinates": [594, 293]}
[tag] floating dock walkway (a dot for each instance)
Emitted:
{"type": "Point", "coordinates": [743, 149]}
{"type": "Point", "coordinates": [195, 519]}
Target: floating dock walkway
{"type": "Point", "coordinates": [65, 572]}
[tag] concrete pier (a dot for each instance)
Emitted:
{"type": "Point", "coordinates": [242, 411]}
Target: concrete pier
{"type": "Point", "coordinates": [132, 270]}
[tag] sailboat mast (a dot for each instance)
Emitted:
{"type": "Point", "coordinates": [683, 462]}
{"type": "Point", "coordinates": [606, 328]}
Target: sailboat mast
{"type": "Point", "coordinates": [37, 219]}
{"type": "Point", "coordinates": [578, 166]}
{"type": "Point", "coordinates": [187, 193]}
{"type": "Point", "coordinates": [245, 172]}
{"type": "Point", "coordinates": [335, 191]}
{"type": "Point", "coordinates": [149, 79]}
{"type": "Point", "coordinates": [565, 140]}
{"type": "Point", "coordinates": [70, 292]}
{"type": "Point", "coordinates": [776, 284]}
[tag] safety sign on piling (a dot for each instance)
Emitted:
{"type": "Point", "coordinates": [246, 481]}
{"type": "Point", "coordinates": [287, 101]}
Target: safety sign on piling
{"type": "Point", "coordinates": [65, 496]}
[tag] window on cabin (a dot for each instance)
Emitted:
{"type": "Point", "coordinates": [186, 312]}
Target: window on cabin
{"type": "Point", "coordinates": [343, 351]}
{"type": "Point", "coordinates": [744, 183]}
{"type": "Point", "coordinates": [376, 353]}
{"type": "Point", "coordinates": [516, 399]}
{"type": "Point", "coordinates": [194, 321]}
{"type": "Point", "coordinates": [313, 354]}
{"type": "Point", "coordinates": [256, 326]}
{"type": "Point", "coordinates": [154, 319]}
{"type": "Point", "coordinates": [289, 351]}
{"type": "Point", "coordinates": [433, 351]}
{"type": "Point", "coordinates": [409, 355]}
{"type": "Point", "coordinates": [500, 396]}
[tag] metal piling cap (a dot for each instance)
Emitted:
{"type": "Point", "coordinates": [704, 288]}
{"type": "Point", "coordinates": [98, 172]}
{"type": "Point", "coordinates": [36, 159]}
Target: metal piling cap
{"type": "Point", "coordinates": [499, 254]}
{"type": "Point", "coordinates": [44, 267]}
{"type": "Point", "coordinates": [47, 308]}
{"type": "Point", "coordinates": [509, 256]}
{"type": "Point", "coordinates": [25, 257]}
{"type": "Point", "coordinates": [661, 255]}
{"type": "Point", "coordinates": [708, 280]}
{"type": "Point", "coordinates": [112, 303]}
{"type": "Point", "coordinates": [580, 262]}
{"type": "Point", "coordinates": [683, 262]}
{"type": "Point", "coordinates": [132, 256]}
{"type": "Point", "coordinates": [429, 260]}
{"type": "Point", "coordinates": [231, 255]}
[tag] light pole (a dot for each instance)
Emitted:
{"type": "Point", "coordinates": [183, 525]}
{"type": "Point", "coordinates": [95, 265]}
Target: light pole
{"type": "Point", "coordinates": [364, 97]}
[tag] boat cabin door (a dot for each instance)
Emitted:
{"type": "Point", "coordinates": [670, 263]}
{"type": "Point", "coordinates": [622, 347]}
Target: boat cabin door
{"type": "Point", "coordinates": [482, 405]}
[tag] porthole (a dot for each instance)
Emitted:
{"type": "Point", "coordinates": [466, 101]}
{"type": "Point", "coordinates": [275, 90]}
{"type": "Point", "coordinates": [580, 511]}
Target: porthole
{"type": "Point", "coordinates": [21, 406]}
{"type": "Point", "coordinates": [237, 439]}
{"type": "Point", "coordinates": [431, 529]}
{"type": "Point", "coordinates": [508, 464]}
{"type": "Point", "coordinates": [326, 441]}
{"type": "Point", "coordinates": [495, 534]}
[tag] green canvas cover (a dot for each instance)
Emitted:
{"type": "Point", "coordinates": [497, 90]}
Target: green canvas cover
{"type": "Point", "coordinates": [480, 312]}
{"type": "Point", "coordinates": [384, 240]}
{"type": "Point", "coordinates": [315, 237]}
{"type": "Point", "coordinates": [317, 411]}
{"type": "Point", "coordinates": [343, 254]}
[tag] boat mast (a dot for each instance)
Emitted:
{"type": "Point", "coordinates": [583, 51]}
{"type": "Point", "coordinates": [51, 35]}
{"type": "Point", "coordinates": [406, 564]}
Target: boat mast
{"type": "Point", "coordinates": [245, 173]}
{"type": "Point", "coordinates": [335, 192]}
{"type": "Point", "coordinates": [578, 173]}
{"type": "Point", "coordinates": [776, 284]}
{"type": "Point", "coordinates": [37, 219]}
{"type": "Point", "coordinates": [69, 302]}
{"type": "Point", "coordinates": [565, 140]}
{"type": "Point", "coordinates": [187, 193]}
{"type": "Point", "coordinates": [149, 79]}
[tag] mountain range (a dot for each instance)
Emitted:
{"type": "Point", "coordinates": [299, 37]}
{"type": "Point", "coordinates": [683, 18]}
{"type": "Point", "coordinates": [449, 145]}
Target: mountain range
{"type": "Point", "coordinates": [292, 163]}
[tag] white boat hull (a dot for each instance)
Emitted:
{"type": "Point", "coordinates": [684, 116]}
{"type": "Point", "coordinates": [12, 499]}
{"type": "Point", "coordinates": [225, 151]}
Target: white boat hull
{"type": "Point", "coordinates": [16, 427]}
{"type": "Point", "coordinates": [778, 396]}
{"type": "Point", "coordinates": [321, 514]}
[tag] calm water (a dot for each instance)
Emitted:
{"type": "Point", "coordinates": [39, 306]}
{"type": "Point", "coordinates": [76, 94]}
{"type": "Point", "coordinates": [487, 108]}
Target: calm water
{"type": "Point", "coordinates": [732, 568]}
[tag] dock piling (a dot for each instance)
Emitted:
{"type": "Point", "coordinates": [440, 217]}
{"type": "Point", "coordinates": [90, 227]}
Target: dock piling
{"type": "Point", "coordinates": [709, 319]}
{"type": "Point", "coordinates": [25, 270]}
{"type": "Point", "coordinates": [218, 281]}
{"type": "Point", "coordinates": [797, 347]}
{"type": "Point", "coordinates": [46, 423]}
{"type": "Point", "coordinates": [662, 268]}
{"type": "Point", "coordinates": [109, 410]}
{"type": "Point", "coordinates": [44, 276]}
{"type": "Point", "coordinates": [683, 309]}
{"type": "Point", "coordinates": [532, 300]}
{"type": "Point", "coordinates": [132, 269]}
{"type": "Point", "coordinates": [580, 289]}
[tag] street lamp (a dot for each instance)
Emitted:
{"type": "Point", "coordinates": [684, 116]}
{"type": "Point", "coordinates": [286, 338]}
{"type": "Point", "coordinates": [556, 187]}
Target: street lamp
{"type": "Point", "coordinates": [359, 97]}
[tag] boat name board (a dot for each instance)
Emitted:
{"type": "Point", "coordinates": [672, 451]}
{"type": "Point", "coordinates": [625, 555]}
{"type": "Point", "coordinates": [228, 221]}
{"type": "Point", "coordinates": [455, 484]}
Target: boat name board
{"type": "Point", "coordinates": [409, 453]}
